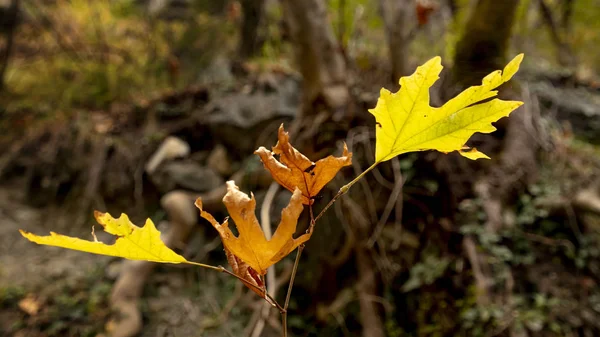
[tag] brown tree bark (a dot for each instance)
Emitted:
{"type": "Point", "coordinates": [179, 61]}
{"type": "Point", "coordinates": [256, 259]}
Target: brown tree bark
{"type": "Point", "coordinates": [482, 49]}
{"type": "Point", "coordinates": [567, 15]}
{"type": "Point", "coordinates": [252, 12]}
{"type": "Point", "coordinates": [557, 32]}
{"type": "Point", "coordinates": [8, 26]}
{"type": "Point", "coordinates": [395, 14]}
{"type": "Point", "coordinates": [317, 54]}
{"type": "Point", "coordinates": [484, 45]}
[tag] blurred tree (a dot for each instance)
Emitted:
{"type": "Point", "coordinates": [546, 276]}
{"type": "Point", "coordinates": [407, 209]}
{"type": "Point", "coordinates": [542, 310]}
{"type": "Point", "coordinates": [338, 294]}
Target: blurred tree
{"type": "Point", "coordinates": [567, 14]}
{"type": "Point", "coordinates": [8, 24]}
{"type": "Point", "coordinates": [452, 6]}
{"type": "Point", "coordinates": [483, 48]}
{"type": "Point", "coordinates": [395, 14]}
{"type": "Point", "coordinates": [558, 32]}
{"type": "Point", "coordinates": [252, 11]}
{"type": "Point", "coordinates": [484, 44]}
{"type": "Point", "coordinates": [317, 53]}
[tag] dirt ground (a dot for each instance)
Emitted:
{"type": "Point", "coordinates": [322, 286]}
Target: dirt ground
{"type": "Point", "coordinates": [47, 291]}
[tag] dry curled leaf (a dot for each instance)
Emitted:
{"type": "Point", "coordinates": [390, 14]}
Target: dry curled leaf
{"type": "Point", "coordinates": [132, 242]}
{"type": "Point", "coordinates": [250, 245]}
{"type": "Point", "coordinates": [250, 277]}
{"type": "Point", "coordinates": [294, 170]}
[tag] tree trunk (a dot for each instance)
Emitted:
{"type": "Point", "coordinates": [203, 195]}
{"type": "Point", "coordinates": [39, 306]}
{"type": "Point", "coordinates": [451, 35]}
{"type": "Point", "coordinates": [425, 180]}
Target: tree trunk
{"type": "Point", "coordinates": [564, 54]}
{"type": "Point", "coordinates": [252, 11]}
{"type": "Point", "coordinates": [367, 291]}
{"type": "Point", "coordinates": [481, 50]}
{"type": "Point", "coordinates": [567, 15]}
{"type": "Point", "coordinates": [395, 14]}
{"type": "Point", "coordinates": [453, 7]}
{"type": "Point", "coordinates": [484, 44]}
{"type": "Point", "coordinates": [8, 26]}
{"type": "Point", "coordinates": [317, 53]}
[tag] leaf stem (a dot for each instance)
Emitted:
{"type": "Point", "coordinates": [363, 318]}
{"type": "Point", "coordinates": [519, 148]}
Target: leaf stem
{"type": "Point", "coordinates": [289, 291]}
{"type": "Point", "coordinates": [219, 268]}
{"type": "Point", "coordinates": [343, 190]}
{"type": "Point", "coordinates": [284, 322]}
{"type": "Point", "coordinates": [222, 269]}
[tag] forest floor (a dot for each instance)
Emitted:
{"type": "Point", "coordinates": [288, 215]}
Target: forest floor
{"type": "Point", "coordinates": [47, 291]}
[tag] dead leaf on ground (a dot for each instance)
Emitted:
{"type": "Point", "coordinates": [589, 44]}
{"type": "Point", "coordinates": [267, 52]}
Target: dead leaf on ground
{"type": "Point", "coordinates": [294, 170]}
{"type": "Point", "coordinates": [31, 304]}
{"type": "Point", "coordinates": [250, 245]}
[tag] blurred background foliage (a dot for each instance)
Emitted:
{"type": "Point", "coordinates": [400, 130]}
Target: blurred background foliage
{"type": "Point", "coordinates": [88, 54]}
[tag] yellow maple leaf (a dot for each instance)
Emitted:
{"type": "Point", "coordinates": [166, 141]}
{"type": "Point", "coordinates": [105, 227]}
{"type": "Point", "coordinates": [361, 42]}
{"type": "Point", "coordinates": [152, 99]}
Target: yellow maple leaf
{"type": "Point", "coordinates": [250, 245]}
{"type": "Point", "coordinates": [407, 123]}
{"type": "Point", "coordinates": [132, 242]}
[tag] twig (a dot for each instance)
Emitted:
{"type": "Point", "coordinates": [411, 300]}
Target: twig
{"type": "Point", "coordinates": [284, 276]}
{"type": "Point", "coordinates": [268, 297]}
{"type": "Point", "coordinates": [366, 288]}
{"type": "Point", "coordinates": [549, 241]}
{"type": "Point", "coordinates": [370, 152]}
{"type": "Point", "coordinates": [343, 190]}
{"type": "Point", "coordinates": [222, 317]}
{"type": "Point", "coordinates": [265, 217]}
{"type": "Point", "coordinates": [344, 253]}
{"type": "Point", "coordinates": [390, 205]}
{"type": "Point", "coordinates": [363, 137]}
{"type": "Point", "coordinates": [222, 269]}
{"type": "Point", "coordinates": [289, 291]}
{"type": "Point", "coordinates": [481, 280]}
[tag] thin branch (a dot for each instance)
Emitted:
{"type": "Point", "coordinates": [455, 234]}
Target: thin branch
{"type": "Point", "coordinates": [343, 190]}
{"type": "Point", "coordinates": [390, 205]}
{"type": "Point", "coordinates": [217, 268]}
{"type": "Point", "coordinates": [265, 217]}
{"type": "Point", "coordinates": [289, 291]}
{"type": "Point", "coordinates": [221, 269]}
{"type": "Point", "coordinates": [294, 270]}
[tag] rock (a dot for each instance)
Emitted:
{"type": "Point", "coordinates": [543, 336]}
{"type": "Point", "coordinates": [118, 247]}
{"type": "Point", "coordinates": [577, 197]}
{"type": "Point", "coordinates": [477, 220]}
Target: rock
{"type": "Point", "coordinates": [579, 106]}
{"type": "Point", "coordinates": [186, 175]}
{"type": "Point", "coordinates": [181, 210]}
{"type": "Point", "coordinates": [219, 161]}
{"type": "Point", "coordinates": [237, 120]}
{"type": "Point", "coordinates": [171, 148]}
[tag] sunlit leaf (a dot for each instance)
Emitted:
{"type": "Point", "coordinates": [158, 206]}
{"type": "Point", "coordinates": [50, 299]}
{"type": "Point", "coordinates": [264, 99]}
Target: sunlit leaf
{"type": "Point", "coordinates": [406, 122]}
{"type": "Point", "coordinates": [132, 242]}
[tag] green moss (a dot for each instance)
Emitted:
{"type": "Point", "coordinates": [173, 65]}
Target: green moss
{"type": "Point", "coordinates": [9, 296]}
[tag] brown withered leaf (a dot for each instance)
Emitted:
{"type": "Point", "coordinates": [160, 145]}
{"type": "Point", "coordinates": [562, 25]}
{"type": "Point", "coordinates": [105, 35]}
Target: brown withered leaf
{"type": "Point", "coordinates": [252, 279]}
{"type": "Point", "coordinates": [250, 245]}
{"type": "Point", "coordinates": [294, 170]}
